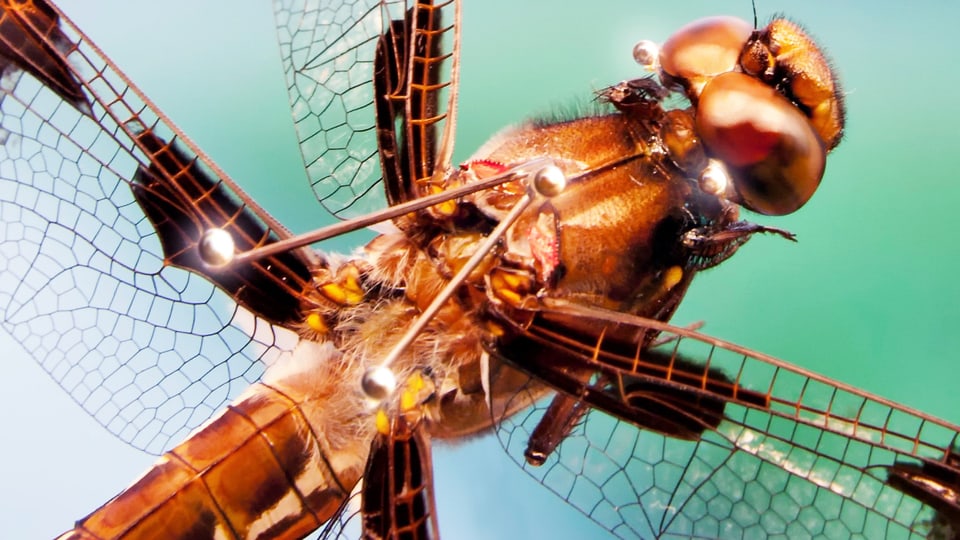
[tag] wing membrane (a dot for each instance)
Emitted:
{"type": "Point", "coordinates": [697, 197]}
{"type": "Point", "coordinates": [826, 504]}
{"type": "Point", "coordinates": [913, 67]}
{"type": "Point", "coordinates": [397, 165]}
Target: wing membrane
{"type": "Point", "coordinates": [715, 440]}
{"type": "Point", "coordinates": [183, 200]}
{"type": "Point", "coordinates": [88, 286]}
{"type": "Point", "coordinates": [348, 126]}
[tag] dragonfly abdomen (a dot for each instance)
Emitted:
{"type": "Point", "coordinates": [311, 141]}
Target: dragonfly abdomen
{"type": "Point", "coordinates": [261, 468]}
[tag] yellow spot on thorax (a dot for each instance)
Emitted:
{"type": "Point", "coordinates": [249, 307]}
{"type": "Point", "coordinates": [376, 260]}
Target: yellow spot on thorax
{"type": "Point", "coordinates": [316, 323]}
{"type": "Point", "coordinates": [346, 289]}
{"type": "Point", "coordinates": [410, 397]}
{"type": "Point", "coordinates": [383, 422]}
{"type": "Point", "coordinates": [446, 208]}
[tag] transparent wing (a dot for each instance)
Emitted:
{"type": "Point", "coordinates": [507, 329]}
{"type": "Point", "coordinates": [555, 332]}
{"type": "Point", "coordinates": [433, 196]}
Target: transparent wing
{"type": "Point", "coordinates": [700, 438]}
{"type": "Point", "coordinates": [102, 203]}
{"type": "Point", "coordinates": [372, 88]}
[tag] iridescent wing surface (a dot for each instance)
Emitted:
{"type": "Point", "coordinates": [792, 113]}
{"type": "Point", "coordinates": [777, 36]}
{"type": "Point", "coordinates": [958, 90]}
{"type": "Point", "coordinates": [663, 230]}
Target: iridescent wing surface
{"type": "Point", "coordinates": [103, 204]}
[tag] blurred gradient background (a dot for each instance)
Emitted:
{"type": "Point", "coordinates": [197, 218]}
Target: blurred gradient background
{"type": "Point", "coordinates": [869, 295]}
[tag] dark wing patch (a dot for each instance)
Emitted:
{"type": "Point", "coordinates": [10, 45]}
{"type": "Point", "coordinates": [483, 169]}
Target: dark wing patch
{"type": "Point", "coordinates": [183, 201]}
{"type": "Point", "coordinates": [709, 439]}
{"type": "Point", "coordinates": [397, 496]}
{"type": "Point", "coordinates": [31, 40]}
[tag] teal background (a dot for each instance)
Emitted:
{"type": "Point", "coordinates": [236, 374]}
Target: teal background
{"type": "Point", "coordinates": [869, 296]}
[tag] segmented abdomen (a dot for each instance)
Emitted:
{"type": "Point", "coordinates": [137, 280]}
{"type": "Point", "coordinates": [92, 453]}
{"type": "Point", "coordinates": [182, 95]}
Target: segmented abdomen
{"type": "Point", "coordinates": [257, 470]}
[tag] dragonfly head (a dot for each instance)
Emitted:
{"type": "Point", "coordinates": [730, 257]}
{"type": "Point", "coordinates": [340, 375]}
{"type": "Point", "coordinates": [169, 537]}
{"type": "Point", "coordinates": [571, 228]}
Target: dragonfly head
{"type": "Point", "coordinates": [767, 104]}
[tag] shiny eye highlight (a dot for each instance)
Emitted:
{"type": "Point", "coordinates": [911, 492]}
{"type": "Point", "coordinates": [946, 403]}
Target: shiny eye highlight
{"type": "Point", "coordinates": [773, 152]}
{"type": "Point", "coordinates": [767, 105]}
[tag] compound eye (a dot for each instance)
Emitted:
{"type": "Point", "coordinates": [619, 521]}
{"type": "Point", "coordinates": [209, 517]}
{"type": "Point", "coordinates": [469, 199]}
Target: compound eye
{"type": "Point", "coordinates": [703, 49]}
{"type": "Point", "coordinates": [774, 155]}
